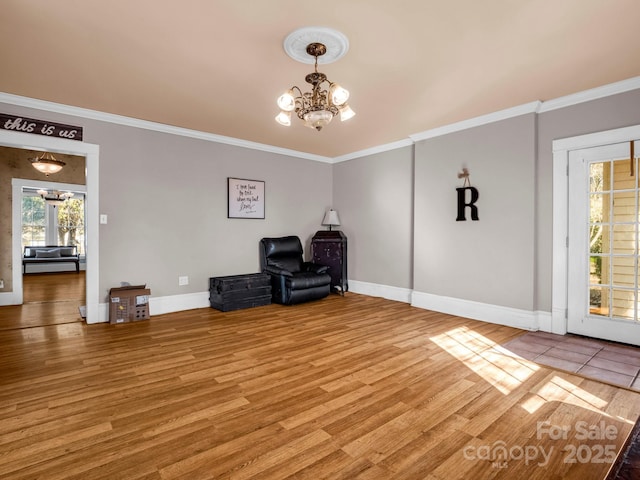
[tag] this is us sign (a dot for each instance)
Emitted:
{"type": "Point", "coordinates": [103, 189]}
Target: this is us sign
{"type": "Point", "coordinates": [39, 127]}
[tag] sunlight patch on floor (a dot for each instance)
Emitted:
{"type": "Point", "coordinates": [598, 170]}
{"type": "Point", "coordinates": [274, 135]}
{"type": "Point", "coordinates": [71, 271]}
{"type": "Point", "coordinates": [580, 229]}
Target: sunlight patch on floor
{"type": "Point", "coordinates": [561, 390]}
{"type": "Point", "coordinates": [506, 371]}
{"type": "Point", "coordinates": [496, 365]}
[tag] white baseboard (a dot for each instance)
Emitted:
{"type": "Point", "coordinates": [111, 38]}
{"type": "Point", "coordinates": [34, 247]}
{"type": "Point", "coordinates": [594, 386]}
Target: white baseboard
{"type": "Point", "coordinates": [8, 298]}
{"type": "Point", "coordinates": [177, 303]}
{"type": "Point", "coordinates": [103, 313]}
{"type": "Point", "coordinates": [545, 323]}
{"type": "Point", "coordinates": [385, 291]}
{"type": "Point", "coordinates": [512, 317]}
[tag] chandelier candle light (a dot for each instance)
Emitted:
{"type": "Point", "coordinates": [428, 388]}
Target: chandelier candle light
{"type": "Point", "coordinates": [317, 107]}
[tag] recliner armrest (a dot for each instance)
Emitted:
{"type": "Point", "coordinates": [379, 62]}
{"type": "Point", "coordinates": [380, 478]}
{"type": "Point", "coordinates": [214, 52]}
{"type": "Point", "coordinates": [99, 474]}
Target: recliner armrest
{"type": "Point", "coordinates": [277, 271]}
{"type": "Point", "coordinates": [314, 267]}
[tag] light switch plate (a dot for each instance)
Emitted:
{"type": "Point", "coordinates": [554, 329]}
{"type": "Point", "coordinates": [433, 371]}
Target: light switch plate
{"type": "Point", "coordinates": [103, 219]}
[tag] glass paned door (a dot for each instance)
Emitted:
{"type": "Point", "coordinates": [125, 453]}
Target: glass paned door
{"type": "Point", "coordinates": [613, 226]}
{"type": "Point", "coordinates": [604, 221]}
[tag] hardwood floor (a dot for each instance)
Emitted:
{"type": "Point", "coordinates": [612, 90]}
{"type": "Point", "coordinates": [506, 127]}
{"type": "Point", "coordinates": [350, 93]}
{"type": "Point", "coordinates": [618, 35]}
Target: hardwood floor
{"type": "Point", "coordinates": [48, 299]}
{"type": "Point", "coordinates": [343, 388]}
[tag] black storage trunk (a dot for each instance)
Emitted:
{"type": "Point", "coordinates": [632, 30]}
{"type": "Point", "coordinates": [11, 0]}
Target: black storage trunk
{"type": "Point", "coordinates": [240, 291]}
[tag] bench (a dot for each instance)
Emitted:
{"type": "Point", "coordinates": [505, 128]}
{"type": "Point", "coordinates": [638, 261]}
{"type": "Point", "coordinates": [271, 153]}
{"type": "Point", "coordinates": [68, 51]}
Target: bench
{"type": "Point", "coordinates": [36, 255]}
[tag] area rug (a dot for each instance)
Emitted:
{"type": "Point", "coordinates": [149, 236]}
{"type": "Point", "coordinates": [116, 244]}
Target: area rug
{"type": "Point", "coordinates": [627, 465]}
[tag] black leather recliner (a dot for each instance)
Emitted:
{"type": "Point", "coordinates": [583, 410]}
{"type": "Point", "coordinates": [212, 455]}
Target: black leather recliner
{"type": "Point", "coordinates": [292, 279]}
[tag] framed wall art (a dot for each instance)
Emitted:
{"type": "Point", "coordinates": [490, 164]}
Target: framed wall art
{"type": "Point", "coordinates": [245, 198]}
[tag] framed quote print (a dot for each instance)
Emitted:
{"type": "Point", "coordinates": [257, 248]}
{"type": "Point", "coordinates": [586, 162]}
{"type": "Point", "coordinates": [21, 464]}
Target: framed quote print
{"type": "Point", "coordinates": [245, 198]}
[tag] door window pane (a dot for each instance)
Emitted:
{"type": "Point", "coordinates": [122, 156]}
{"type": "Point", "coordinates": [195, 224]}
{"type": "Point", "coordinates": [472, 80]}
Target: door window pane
{"type": "Point", "coordinates": [599, 208]}
{"type": "Point", "coordinates": [623, 304]}
{"type": "Point", "coordinates": [624, 239]}
{"type": "Point", "coordinates": [613, 239]}
{"type": "Point", "coordinates": [599, 238]}
{"type": "Point", "coordinates": [595, 270]}
{"type": "Point", "coordinates": [599, 301]}
{"type": "Point", "coordinates": [599, 176]}
{"type": "Point", "coordinates": [624, 206]}
{"type": "Point", "coordinates": [33, 221]}
{"type": "Point", "coordinates": [71, 223]}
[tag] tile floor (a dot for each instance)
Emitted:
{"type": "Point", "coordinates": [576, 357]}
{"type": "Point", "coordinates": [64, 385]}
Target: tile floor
{"type": "Point", "coordinates": [607, 361]}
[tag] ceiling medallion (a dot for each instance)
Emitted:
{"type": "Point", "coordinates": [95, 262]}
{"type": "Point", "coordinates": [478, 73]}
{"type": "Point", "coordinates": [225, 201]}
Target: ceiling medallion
{"type": "Point", "coordinates": [297, 41]}
{"type": "Point", "coordinates": [326, 99]}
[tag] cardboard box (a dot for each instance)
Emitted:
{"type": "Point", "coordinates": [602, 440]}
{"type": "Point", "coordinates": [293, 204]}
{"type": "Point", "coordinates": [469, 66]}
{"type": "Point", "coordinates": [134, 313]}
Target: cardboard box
{"type": "Point", "coordinates": [129, 304]}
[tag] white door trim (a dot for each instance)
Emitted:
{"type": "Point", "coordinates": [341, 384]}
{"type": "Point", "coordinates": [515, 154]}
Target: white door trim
{"type": "Point", "coordinates": [561, 149]}
{"type": "Point", "coordinates": [91, 154]}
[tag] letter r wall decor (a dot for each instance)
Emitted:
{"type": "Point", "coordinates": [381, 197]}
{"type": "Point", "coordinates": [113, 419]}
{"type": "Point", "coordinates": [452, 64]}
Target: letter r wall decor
{"type": "Point", "coordinates": [463, 202]}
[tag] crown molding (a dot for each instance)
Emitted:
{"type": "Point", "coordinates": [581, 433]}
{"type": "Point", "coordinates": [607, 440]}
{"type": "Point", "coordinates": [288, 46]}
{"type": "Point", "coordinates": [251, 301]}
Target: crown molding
{"type": "Point", "coordinates": [373, 150]}
{"type": "Point", "coordinates": [591, 94]}
{"type": "Point", "coordinates": [532, 107]}
{"type": "Point", "coordinates": [147, 125]}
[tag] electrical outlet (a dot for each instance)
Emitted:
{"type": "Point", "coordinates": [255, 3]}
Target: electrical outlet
{"type": "Point", "coordinates": [183, 281]}
{"type": "Point", "coordinates": [1, 283]}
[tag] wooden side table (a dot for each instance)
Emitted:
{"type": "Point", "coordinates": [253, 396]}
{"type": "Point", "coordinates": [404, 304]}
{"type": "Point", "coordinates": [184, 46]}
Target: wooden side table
{"type": "Point", "coordinates": [329, 247]}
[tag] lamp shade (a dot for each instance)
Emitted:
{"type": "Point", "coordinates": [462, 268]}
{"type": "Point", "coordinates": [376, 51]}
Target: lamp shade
{"type": "Point", "coordinates": [284, 118]}
{"type": "Point", "coordinates": [339, 95]}
{"type": "Point", "coordinates": [331, 218]}
{"type": "Point", "coordinates": [287, 101]}
{"type": "Point", "coordinates": [346, 113]}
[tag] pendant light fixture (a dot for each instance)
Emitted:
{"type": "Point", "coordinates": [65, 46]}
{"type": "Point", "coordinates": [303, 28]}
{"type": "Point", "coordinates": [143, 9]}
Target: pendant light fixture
{"type": "Point", "coordinates": [55, 197]}
{"type": "Point", "coordinates": [47, 164]}
{"type": "Point", "coordinates": [326, 98]}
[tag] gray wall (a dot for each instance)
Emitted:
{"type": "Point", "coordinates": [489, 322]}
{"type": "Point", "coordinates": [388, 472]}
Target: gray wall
{"type": "Point", "coordinates": [397, 208]}
{"type": "Point", "coordinates": [374, 198]}
{"type": "Point", "coordinates": [166, 201]}
{"type": "Point", "coordinates": [505, 258]}
{"type": "Point", "coordinates": [489, 260]}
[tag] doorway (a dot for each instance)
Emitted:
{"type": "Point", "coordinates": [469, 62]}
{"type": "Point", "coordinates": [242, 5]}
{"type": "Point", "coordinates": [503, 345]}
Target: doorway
{"type": "Point", "coordinates": [91, 154]}
{"type": "Point", "coordinates": [53, 291]}
{"type": "Point", "coordinates": [571, 209]}
{"type": "Point", "coordinates": [603, 231]}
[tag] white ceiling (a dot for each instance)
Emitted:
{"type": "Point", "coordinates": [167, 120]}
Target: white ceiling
{"type": "Point", "coordinates": [218, 66]}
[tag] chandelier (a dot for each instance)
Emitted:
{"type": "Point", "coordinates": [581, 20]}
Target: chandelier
{"type": "Point", "coordinates": [47, 164]}
{"type": "Point", "coordinates": [55, 197]}
{"type": "Point", "coordinates": [317, 107]}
